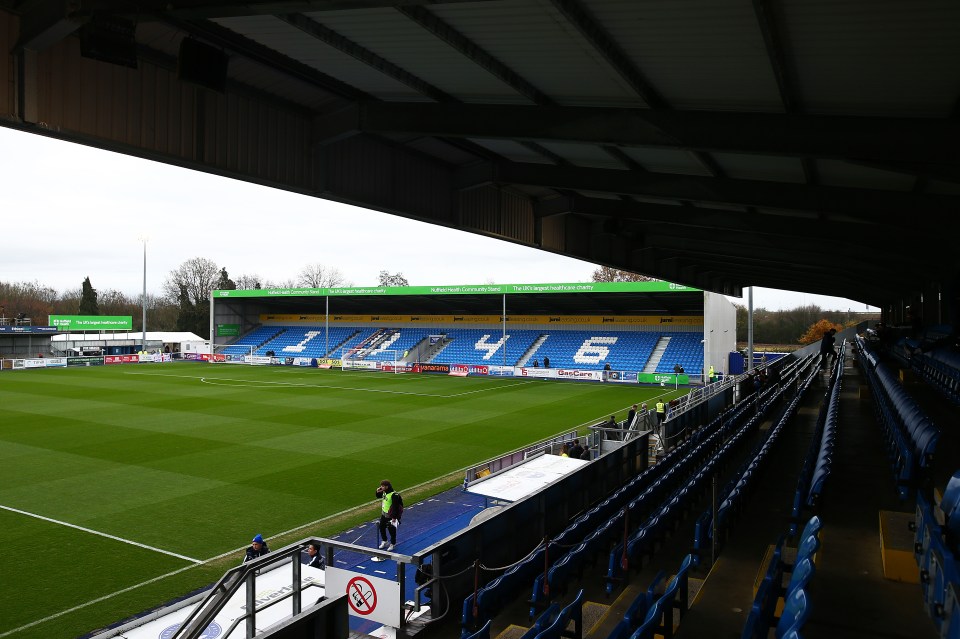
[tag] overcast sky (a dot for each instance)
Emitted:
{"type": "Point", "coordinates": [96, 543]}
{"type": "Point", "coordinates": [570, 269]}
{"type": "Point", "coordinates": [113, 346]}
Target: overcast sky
{"type": "Point", "coordinates": [71, 211]}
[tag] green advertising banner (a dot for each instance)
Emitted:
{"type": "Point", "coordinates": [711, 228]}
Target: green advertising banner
{"type": "Point", "coordinates": [467, 289]}
{"type": "Point", "coordinates": [663, 378]}
{"type": "Point", "coordinates": [228, 330]}
{"type": "Point", "coordinates": [92, 322]}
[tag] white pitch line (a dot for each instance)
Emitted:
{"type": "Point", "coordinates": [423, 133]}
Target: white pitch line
{"type": "Point", "coordinates": [91, 602]}
{"type": "Point", "coordinates": [101, 534]}
{"type": "Point", "coordinates": [490, 388]}
{"type": "Point", "coordinates": [262, 383]}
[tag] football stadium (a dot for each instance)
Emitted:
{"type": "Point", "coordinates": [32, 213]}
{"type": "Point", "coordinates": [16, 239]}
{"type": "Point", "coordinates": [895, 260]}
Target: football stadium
{"type": "Point", "coordinates": [586, 460]}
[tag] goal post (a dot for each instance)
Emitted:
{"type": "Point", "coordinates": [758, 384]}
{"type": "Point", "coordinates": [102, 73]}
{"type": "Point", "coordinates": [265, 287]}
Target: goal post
{"type": "Point", "coordinates": [365, 359]}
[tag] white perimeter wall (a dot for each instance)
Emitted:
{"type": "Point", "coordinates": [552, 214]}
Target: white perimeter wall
{"type": "Point", "coordinates": [719, 331]}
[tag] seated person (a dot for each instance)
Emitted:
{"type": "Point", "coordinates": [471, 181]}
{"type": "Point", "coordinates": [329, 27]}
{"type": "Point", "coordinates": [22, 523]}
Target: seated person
{"type": "Point", "coordinates": [258, 548]}
{"type": "Point", "coordinates": [313, 557]}
{"type": "Point", "coordinates": [576, 450]}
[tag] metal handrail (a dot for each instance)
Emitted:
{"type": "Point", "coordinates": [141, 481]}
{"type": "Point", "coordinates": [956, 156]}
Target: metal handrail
{"type": "Point", "coordinates": [207, 610]}
{"type": "Point", "coordinates": [245, 574]}
{"type": "Point", "coordinates": [237, 621]}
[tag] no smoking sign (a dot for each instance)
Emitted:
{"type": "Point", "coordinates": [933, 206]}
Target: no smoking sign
{"type": "Point", "coordinates": [368, 597]}
{"type": "Point", "coordinates": [361, 595]}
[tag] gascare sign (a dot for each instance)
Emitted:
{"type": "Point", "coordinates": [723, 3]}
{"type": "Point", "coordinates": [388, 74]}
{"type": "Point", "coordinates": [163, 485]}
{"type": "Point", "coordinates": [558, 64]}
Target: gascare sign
{"type": "Point", "coordinates": [368, 597]}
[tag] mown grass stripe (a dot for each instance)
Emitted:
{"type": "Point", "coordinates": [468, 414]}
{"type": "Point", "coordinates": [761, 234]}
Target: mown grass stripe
{"type": "Point", "coordinates": [100, 533]}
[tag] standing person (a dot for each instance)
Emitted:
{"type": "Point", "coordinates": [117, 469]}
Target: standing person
{"type": "Point", "coordinates": [258, 548]}
{"type": "Point", "coordinates": [631, 415]}
{"type": "Point", "coordinates": [647, 417]}
{"type": "Point", "coordinates": [391, 510]}
{"type": "Point", "coordinates": [712, 374]}
{"type": "Point", "coordinates": [546, 362]}
{"type": "Point", "coordinates": [826, 346]}
{"type": "Point", "coordinates": [313, 558]}
{"type": "Point", "coordinates": [661, 411]}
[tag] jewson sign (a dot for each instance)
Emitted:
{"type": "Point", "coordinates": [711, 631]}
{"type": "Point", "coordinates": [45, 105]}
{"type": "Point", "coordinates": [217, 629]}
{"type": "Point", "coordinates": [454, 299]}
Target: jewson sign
{"type": "Point", "coordinates": [92, 322]}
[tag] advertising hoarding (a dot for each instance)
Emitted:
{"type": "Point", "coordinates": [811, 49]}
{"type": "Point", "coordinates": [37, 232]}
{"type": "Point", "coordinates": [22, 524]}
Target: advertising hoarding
{"type": "Point", "coordinates": [92, 322]}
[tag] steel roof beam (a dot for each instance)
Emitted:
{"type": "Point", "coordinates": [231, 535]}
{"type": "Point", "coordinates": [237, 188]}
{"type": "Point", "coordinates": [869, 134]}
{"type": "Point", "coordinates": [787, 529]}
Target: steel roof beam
{"type": "Point", "coordinates": [211, 9]}
{"type": "Point", "coordinates": [893, 209]}
{"type": "Point", "coordinates": [634, 214]}
{"type": "Point", "coordinates": [252, 50]}
{"type": "Point", "coordinates": [591, 29]}
{"type": "Point", "coordinates": [783, 71]}
{"type": "Point", "coordinates": [833, 281]}
{"type": "Point", "coordinates": [476, 54]}
{"type": "Point", "coordinates": [616, 57]}
{"type": "Point", "coordinates": [330, 37]}
{"type": "Point", "coordinates": [893, 141]}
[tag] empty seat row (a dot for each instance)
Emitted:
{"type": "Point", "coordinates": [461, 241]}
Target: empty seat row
{"type": "Point", "coordinates": [911, 437]}
{"type": "Point", "coordinates": [253, 339]}
{"type": "Point", "coordinates": [486, 601]}
{"type": "Point", "coordinates": [825, 438]}
{"type": "Point", "coordinates": [670, 472]}
{"type": "Point", "coordinates": [935, 549]}
{"type": "Point", "coordinates": [735, 492]}
{"type": "Point", "coordinates": [820, 453]}
{"type": "Point", "coordinates": [659, 619]}
{"type": "Point", "coordinates": [941, 370]}
{"type": "Point", "coordinates": [772, 591]}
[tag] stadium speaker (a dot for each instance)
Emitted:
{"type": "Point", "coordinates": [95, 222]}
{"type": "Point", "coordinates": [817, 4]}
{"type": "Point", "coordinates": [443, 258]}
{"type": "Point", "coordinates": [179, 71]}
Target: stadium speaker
{"type": "Point", "coordinates": [202, 64]}
{"type": "Point", "coordinates": [109, 39]}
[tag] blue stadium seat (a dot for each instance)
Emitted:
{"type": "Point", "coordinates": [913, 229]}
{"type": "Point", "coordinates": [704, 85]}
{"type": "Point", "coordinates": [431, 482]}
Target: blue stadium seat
{"type": "Point", "coordinates": [483, 633]}
{"type": "Point", "coordinates": [796, 610]}
{"type": "Point", "coordinates": [573, 612]}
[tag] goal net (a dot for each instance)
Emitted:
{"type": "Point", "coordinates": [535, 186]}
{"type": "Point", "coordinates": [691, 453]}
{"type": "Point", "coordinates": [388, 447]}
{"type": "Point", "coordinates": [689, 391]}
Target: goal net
{"type": "Point", "coordinates": [372, 359]}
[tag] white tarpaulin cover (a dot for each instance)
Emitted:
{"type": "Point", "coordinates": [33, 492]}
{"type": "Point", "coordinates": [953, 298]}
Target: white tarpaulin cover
{"type": "Point", "coordinates": [527, 478]}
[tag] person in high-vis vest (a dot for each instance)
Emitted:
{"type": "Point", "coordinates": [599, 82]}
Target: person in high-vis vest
{"type": "Point", "coordinates": [661, 411]}
{"type": "Point", "coordinates": [391, 509]}
{"type": "Point", "coordinates": [712, 375]}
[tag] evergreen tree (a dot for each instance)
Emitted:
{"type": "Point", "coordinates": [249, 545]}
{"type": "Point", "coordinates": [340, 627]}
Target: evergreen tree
{"type": "Point", "coordinates": [88, 299]}
{"type": "Point", "coordinates": [225, 283]}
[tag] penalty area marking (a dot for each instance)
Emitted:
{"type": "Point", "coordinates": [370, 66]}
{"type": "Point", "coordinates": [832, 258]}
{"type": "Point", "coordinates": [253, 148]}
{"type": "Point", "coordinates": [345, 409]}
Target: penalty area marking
{"type": "Point", "coordinates": [241, 383]}
{"type": "Point", "coordinates": [101, 534]}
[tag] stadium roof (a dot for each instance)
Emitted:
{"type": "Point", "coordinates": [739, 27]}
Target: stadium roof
{"type": "Point", "coordinates": [718, 143]}
{"type": "Point", "coordinates": [584, 298]}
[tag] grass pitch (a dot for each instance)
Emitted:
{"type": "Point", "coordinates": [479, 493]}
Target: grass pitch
{"type": "Point", "coordinates": [111, 477]}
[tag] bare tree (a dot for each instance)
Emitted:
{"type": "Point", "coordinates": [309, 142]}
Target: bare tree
{"type": "Point", "coordinates": [287, 283]}
{"type": "Point", "coordinates": [249, 282]}
{"type": "Point", "coordinates": [397, 279]}
{"type": "Point", "coordinates": [607, 274]}
{"type": "Point", "coordinates": [196, 278]}
{"type": "Point", "coordinates": [320, 276]}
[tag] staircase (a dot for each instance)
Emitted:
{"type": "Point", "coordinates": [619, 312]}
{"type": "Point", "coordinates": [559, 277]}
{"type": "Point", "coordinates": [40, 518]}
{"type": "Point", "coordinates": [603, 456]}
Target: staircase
{"type": "Point", "coordinates": [427, 350]}
{"type": "Point", "coordinates": [530, 352]}
{"type": "Point", "coordinates": [339, 345]}
{"type": "Point", "coordinates": [656, 355]}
